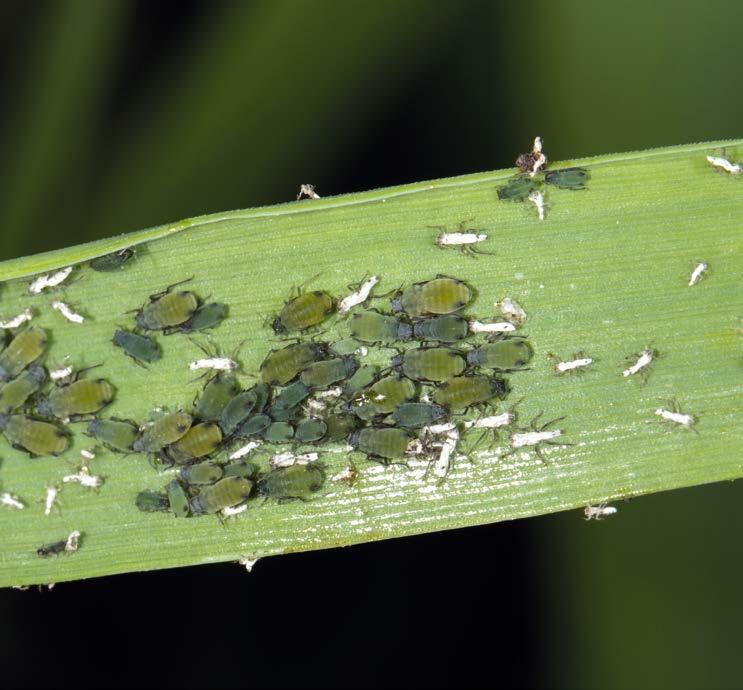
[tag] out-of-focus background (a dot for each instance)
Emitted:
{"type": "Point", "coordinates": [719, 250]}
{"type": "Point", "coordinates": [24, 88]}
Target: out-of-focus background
{"type": "Point", "coordinates": [121, 114]}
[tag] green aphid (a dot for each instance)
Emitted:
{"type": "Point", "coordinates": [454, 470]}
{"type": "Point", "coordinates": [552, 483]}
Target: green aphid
{"type": "Point", "coordinates": [430, 363]}
{"type": "Point", "coordinates": [373, 327]}
{"type": "Point", "coordinates": [237, 411]}
{"type": "Point", "coordinates": [177, 499]}
{"type": "Point", "coordinates": [449, 328]}
{"type": "Point", "coordinates": [205, 317]}
{"type": "Point", "coordinates": [569, 178]}
{"type": "Point", "coordinates": [113, 261]}
{"type": "Point", "coordinates": [118, 435]}
{"type": "Point", "coordinates": [15, 393]}
{"type": "Point", "coordinates": [262, 396]}
{"type": "Point", "coordinates": [340, 426]}
{"type": "Point", "coordinates": [324, 374]}
{"type": "Point", "coordinates": [86, 396]}
{"type": "Point", "coordinates": [389, 392]}
{"type": "Point", "coordinates": [53, 549]}
{"type": "Point", "coordinates": [152, 502]}
{"type": "Point", "coordinates": [310, 431]}
{"type": "Point", "coordinates": [167, 309]}
{"type": "Point", "coordinates": [288, 414]}
{"type": "Point", "coordinates": [364, 376]}
{"type": "Point", "coordinates": [282, 366]}
{"type": "Point", "coordinates": [199, 441]}
{"type": "Point", "coordinates": [33, 436]}
{"type": "Point", "coordinates": [24, 349]}
{"type": "Point", "coordinates": [296, 482]}
{"type": "Point", "coordinates": [443, 295]}
{"type": "Point", "coordinates": [248, 470]}
{"type": "Point", "coordinates": [346, 346]}
{"type": "Point", "coordinates": [202, 473]}
{"type": "Point", "coordinates": [384, 443]}
{"type": "Point", "coordinates": [215, 396]}
{"type": "Point", "coordinates": [141, 348]}
{"type": "Point", "coordinates": [162, 432]}
{"type": "Point", "coordinates": [462, 392]}
{"type": "Point", "coordinates": [279, 432]}
{"type": "Point", "coordinates": [226, 493]}
{"type": "Point", "coordinates": [518, 188]}
{"type": "Point", "coordinates": [254, 426]}
{"type": "Point", "coordinates": [304, 311]}
{"type": "Point", "coordinates": [508, 354]}
{"type": "Point", "coordinates": [414, 415]}
{"type": "Point", "coordinates": [291, 396]}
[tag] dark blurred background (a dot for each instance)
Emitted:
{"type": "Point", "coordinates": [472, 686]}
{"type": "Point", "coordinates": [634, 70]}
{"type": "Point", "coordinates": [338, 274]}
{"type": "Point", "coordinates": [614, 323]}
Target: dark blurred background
{"type": "Point", "coordinates": [117, 115]}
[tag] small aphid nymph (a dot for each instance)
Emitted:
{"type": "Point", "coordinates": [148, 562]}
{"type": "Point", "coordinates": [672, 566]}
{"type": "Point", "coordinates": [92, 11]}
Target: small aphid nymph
{"type": "Point", "coordinates": [49, 280]}
{"type": "Point", "coordinates": [644, 359]}
{"type": "Point", "coordinates": [696, 274]}
{"type": "Point", "coordinates": [537, 198]}
{"type": "Point", "coordinates": [307, 191]}
{"type": "Point", "coordinates": [8, 499]}
{"type": "Point", "coordinates": [598, 512]}
{"type": "Point", "coordinates": [358, 297]}
{"type": "Point", "coordinates": [725, 164]}
{"type": "Point", "coordinates": [18, 320]}
{"type": "Point", "coordinates": [66, 311]}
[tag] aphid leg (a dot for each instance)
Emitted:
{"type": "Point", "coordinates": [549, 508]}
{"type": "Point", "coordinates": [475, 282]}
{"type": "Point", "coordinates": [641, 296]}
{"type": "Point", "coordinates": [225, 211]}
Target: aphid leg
{"type": "Point", "coordinates": [170, 287]}
{"type": "Point", "coordinates": [76, 374]}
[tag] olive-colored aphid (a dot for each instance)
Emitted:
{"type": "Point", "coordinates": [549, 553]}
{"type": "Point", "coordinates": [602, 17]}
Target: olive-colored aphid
{"type": "Point", "coordinates": [53, 549]}
{"type": "Point", "coordinates": [141, 348]}
{"type": "Point", "coordinates": [279, 432]}
{"type": "Point", "coordinates": [288, 414]}
{"type": "Point", "coordinates": [291, 396]}
{"type": "Point", "coordinates": [166, 310]}
{"type": "Point", "coordinates": [323, 374]}
{"type": "Point", "coordinates": [199, 441]}
{"type": "Point", "coordinates": [237, 411]}
{"type": "Point", "coordinates": [249, 470]}
{"type": "Point", "coordinates": [363, 377]}
{"type": "Point", "coordinates": [430, 363]}
{"type": "Point", "coordinates": [414, 415]}
{"type": "Point", "coordinates": [283, 366]}
{"type": "Point", "coordinates": [177, 499]}
{"type": "Point", "coordinates": [113, 261]}
{"type": "Point", "coordinates": [386, 443]}
{"type": "Point", "coordinates": [215, 396]}
{"type": "Point", "coordinates": [340, 426]}
{"type": "Point", "coordinates": [254, 426]}
{"type": "Point", "coordinates": [152, 502]}
{"type": "Point", "coordinates": [205, 317]}
{"type": "Point", "coordinates": [570, 178]}
{"type": "Point", "coordinates": [15, 393]}
{"type": "Point", "coordinates": [226, 493]}
{"type": "Point", "coordinates": [442, 295]}
{"type": "Point", "coordinates": [304, 311]}
{"type": "Point", "coordinates": [310, 431]}
{"type": "Point", "coordinates": [296, 482]}
{"type": "Point", "coordinates": [86, 396]}
{"type": "Point", "coordinates": [162, 432]}
{"type": "Point", "coordinates": [373, 327]}
{"type": "Point", "coordinates": [24, 349]}
{"type": "Point", "coordinates": [518, 188]}
{"type": "Point", "coordinates": [389, 392]}
{"type": "Point", "coordinates": [118, 435]}
{"type": "Point", "coordinates": [448, 328]}
{"type": "Point", "coordinates": [33, 436]}
{"type": "Point", "coordinates": [345, 346]}
{"type": "Point", "coordinates": [508, 354]}
{"type": "Point", "coordinates": [462, 392]}
{"type": "Point", "coordinates": [202, 473]}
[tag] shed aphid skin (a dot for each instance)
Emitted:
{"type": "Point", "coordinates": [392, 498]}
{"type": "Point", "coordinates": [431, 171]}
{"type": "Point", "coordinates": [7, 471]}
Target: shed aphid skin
{"type": "Point", "coordinates": [358, 297]}
{"type": "Point", "coordinates": [18, 320]}
{"type": "Point", "coordinates": [497, 328]}
{"type": "Point", "coordinates": [288, 459]}
{"type": "Point", "coordinates": [49, 280]}
{"type": "Point", "coordinates": [69, 545]}
{"type": "Point", "coordinates": [87, 454]}
{"type": "Point", "coordinates": [61, 374]}
{"type": "Point", "coordinates": [537, 198]}
{"type": "Point", "coordinates": [577, 365]}
{"type": "Point", "coordinates": [214, 363]}
{"type": "Point", "coordinates": [442, 464]}
{"type": "Point", "coordinates": [537, 436]}
{"type": "Point", "coordinates": [248, 563]}
{"type": "Point", "coordinates": [51, 499]}
{"type": "Point", "coordinates": [84, 478]}
{"type": "Point", "coordinates": [496, 421]}
{"type": "Point", "coordinates": [231, 512]}
{"type": "Point", "coordinates": [532, 163]}
{"type": "Point", "coordinates": [512, 310]}
{"type": "Point", "coordinates": [697, 273]}
{"type": "Point", "coordinates": [598, 512]}
{"type": "Point", "coordinates": [348, 475]}
{"type": "Point", "coordinates": [677, 417]}
{"type": "Point", "coordinates": [644, 359]}
{"type": "Point", "coordinates": [724, 164]}
{"type": "Point", "coordinates": [73, 541]}
{"type": "Point", "coordinates": [463, 240]}
{"type": "Point", "coordinates": [307, 191]}
{"type": "Point", "coordinates": [247, 449]}
{"type": "Point", "coordinates": [11, 501]}
{"type": "Point", "coordinates": [66, 311]}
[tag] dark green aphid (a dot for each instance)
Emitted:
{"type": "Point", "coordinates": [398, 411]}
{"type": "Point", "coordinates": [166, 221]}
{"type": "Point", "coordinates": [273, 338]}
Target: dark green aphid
{"type": "Point", "coordinates": [442, 295]}
{"type": "Point", "coordinates": [262, 396]}
{"type": "Point", "coordinates": [289, 414]}
{"type": "Point", "coordinates": [113, 261]}
{"type": "Point", "coordinates": [517, 189]}
{"type": "Point", "coordinates": [162, 432]}
{"type": "Point", "coordinates": [167, 309]}
{"type": "Point", "coordinates": [15, 393]}
{"type": "Point", "coordinates": [205, 317]}
{"type": "Point", "coordinates": [215, 396]}
{"type": "Point", "coordinates": [284, 365]}
{"type": "Point", "coordinates": [226, 493]}
{"type": "Point", "coordinates": [364, 376]}
{"type": "Point", "coordinates": [324, 374]}
{"type": "Point", "coordinates": [279, 432]}
{"type": "Point", "coordinates": [24, 349]}
{"type": "Point", "coordinates": [141, 348]}
{"type": "Point", "coordinates": [296, 482]}
{"type": "Point", "coordinates": [248, 470]}
{"type": "Point", "coordinates": [117, 434]}
{"type": "Point", "coordinates": [304, 311]}
{"type": "Point", "coordinates": [430, 363]}
{"type": "Point", "coordinates": [237, 411]}
{"type": "Point", "coordinates": [346, 346]}
{"type": "Point", "coordinates": [373, 327]}
{"type": "Point", "coordinates": [79, 398]}
{"type": "Point", "coordinates": [152, 502]}
{"type": "Point", "coordinates": [33, 436]}
{"type": "Point", "coordinates": [570, 178]}
{"type": "Point", "coordinates": [177, 499]}
{"type": "Point", "coordinates": [202, 473]}
{"type": "Point", "coordinates": [414, 415]}
{"type": "Point", "coordinates": [446, 329]}
{"type": "Point", "coordinates": [389, 392]}
{"type": "Point", "coordinates": [53, 549]}
{"type": "Point", "coordinates": [254, 426]}
{"type": "Point", "coordinates": [291, 396]}
{"type": "Point", "coordinates": [508, 354]}
{"type": "Point", "coordinates": [200, 440]}
{"type": "Point", "coordinates": [340, 426]}
{"type": "Point", "coordinates": [386, 443]}
{"type": "Point", "coordinates": [310, 431]}
{"type": "Point", "coordinates": [462, 392]}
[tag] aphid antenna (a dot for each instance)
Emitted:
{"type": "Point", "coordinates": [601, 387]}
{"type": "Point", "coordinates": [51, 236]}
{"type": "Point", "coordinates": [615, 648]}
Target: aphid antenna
{"type": "Point", "coordinates": [76, 374]}
{"type": "Point", "coordinates": [170, 287]}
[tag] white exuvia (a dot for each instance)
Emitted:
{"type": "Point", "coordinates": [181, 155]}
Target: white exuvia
{"type": "Point", "coordinates": [215, 363]}
{"type": "Point", "coordinates": [236, 510]}
{"type": "Point", "coordinates": [645, 358]}
{"type": "Point", "coordinates": [87, 454]}
{"type": "Point", "coordinates": [537, 198]}
{"type": "Point", "coordinates": [288, 459]}
{"type": "Point", "coordinates": [49, 280]}
{"type": "Point", "coordinates": [84, 478]}
{"type": "Point", "coordinates": [245, 450]}
{"type": "Point", "coordinates": [459, 239]}
{"type": "Point", "coordinates": [534, 438]}
{"type": "Point", "coordinates": [248, 563]}
{"type": "Point", "coordinates": [18, 320]}
{"type": "Point", "coordinates": [358, 297]}
{"type": "Point", "coordinates": [11, 501]}
{"type": "Point", "coordinates": [67, 312]}
{"type": "Point", "coordinates": [676, 417]}
{"type": "Point", "coordinates": [442, 464]}
{"type": "Point", "coordinates": [725, 164]}
{"type": "Point", "coordinates": [512, 310]}
{"type": "Point", "coordinates": [493, 422]}
{"type": "Point", "coordinates": [696, 274]}
{"type": "Point", "coordinates": [60, 374]}
{"type": "Point", "coordinates": [308, 191]}
{"type": "Point", "coordinates": [599, 511]}
{"type": "Point", "coordinates": [50, 499]}
{"type": "Point", "coordinates": [347, 475]}
{"type": "Point", "coordinates": [498, 327]}
{"type": "Point", "coordinates": [563, 367]}
{"type": "Point", "coordinates": [73, 541]}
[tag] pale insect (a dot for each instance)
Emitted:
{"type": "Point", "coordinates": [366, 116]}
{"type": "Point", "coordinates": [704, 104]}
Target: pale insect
{"type": "Point", "coordinates": [215, 363]}
{"type": "Point", "coordinates": [84, 478]}
{"type": "Point", "coordinates": [725, 164]}
{"type": "Point", "coordinates": [18, 320]}
{"type": "Point", "coordinates": [60, 374]}
{"type": "Point", "coordinates": [497, 327]}
{"type": "Point", "coordinates": [458, 239]}
{"type": "Point", "coordinates": [87, 454]}
{"type": "Point", "coordinates": [289, 459]}
{"type": "Point", "coordinates": [442, 464]}
{"type": "Point", "coordinates": [66, 311]}
{"type": "Point", "coordinates": [532, 163]}
{"type": "Point", "coordinates": [493, 422]}
{"type": "Point", "coordinates": [675, 416]}
{"type": "Point", "coordinates": [50, 499]}
{"type": "Point", "coordinates": [235, 510]}
{"type": "Point", "coordinates": [8, 499]}
{"type": "Point", "coordinates": [245, 450]}
{"type": "Point", "coordinates": [534, 438]}
{"type": "Point", "coordinates": [73, 541]}
{"type": "Point", "coordinates": [537, 198]}
{"type": "Point", "coordinates": [49, 280]}
{"type": "Point", "coordinates": [358, 297]}
{"type": "Point", "coordinates": [248, 563]}
{"type": "Point", "coordinates": [307, 191]}
{"type": "Point", "coordinates": [348, 475]}
{"type": "Point", "coordinates": [696, 274]}
{"type": "Point", "coordinates": [512, 310]}
{"type": "Point", "coordinates": [437, 429]}
{"type": "Point", "coordinates": [598, 512]}
{"type": "Point", "coordinates": [577, 364]}
{"type": "Point", "coordinates": [643, 361]}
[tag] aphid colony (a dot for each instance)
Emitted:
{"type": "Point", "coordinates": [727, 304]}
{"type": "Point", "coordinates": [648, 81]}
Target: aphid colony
{"type": "Point", "coordinates": [314, 393]}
